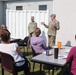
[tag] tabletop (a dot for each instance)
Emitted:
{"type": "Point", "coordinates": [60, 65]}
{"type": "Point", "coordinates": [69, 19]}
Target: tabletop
{"type": "Point", "coordinates": [61, 61]}
{"type": "Point", "coordinates": [14, 40]}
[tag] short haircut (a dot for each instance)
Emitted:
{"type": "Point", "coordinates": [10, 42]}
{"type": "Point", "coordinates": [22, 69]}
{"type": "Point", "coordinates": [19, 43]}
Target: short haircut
{"type": "Point", "coordinates": [5, 35]}
{"type": "Point", "coordinates": [37, 31]}
{"type": "Point", "coordinates": [32, 17]}
{"type": "Point", "coordinates": [54, 15]}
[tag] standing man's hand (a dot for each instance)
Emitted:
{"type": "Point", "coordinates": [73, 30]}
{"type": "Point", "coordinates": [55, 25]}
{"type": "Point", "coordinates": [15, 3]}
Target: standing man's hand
{"type": "Point", "coordinates": [42, 23]}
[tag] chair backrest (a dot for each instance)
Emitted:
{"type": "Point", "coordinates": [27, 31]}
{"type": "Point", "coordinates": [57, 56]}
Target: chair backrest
{"type": "Point", "coordinates": [7, 62]}
{"type": "Point", "coordinates": [27, 40]}
{"type": "Point", "coordinates": [34, 53]}
{"type": "Point", "coordinates": [68, 44]}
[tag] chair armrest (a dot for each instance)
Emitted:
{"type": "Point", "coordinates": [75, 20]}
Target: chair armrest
{"type": "Point", "coordinates": [19, 61]}
{"type": "Point", "coordinates": [26, 61]}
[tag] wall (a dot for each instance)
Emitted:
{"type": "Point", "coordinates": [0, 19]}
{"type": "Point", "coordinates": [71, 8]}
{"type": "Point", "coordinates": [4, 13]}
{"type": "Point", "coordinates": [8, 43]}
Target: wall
{"type": "Point", "coordinates": [66, 14]}
{"type": "Point", "coordinates": [17, 22]}
{"type": "Point", "coordinates": [1, 13]}
{"type": "Point", "coordinates": [29, 4]}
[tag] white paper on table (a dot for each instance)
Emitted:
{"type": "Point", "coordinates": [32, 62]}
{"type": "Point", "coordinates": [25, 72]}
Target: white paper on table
{"type": "Point", "coordinates": [64, 57]}
{"type": "Point", "coordinates": [67, 50]}
{"type": "Point", "coordinates": [44, 52]}
{"type": "Point", "coordinates": [60, 55]}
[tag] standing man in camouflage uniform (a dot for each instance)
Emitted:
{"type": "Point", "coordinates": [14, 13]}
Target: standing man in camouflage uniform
{"type": "Point", "coordinates": [53, 26]}
{"type": "Point", "coordinates": [32, 26]}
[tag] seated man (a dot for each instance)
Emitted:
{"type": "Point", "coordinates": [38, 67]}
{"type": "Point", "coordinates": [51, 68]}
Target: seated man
{"type": "Point", "coordinates": [38, 44]}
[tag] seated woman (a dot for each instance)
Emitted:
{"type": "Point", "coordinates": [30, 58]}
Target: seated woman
{"type": "Point", "coordinates": [38, 44]}
{"type": "Point", "coordinates": [71, 58]}
{"type": "Point", "coordinates": [3, 27]}
{"type": "Point", "coordinates": [12, 49]}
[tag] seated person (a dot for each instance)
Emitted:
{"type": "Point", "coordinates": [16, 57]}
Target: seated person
{"type": "Point", "coordinates": [38, 44]}
{"type": "Point", "coordinates": [12, 49]}
{"type": "Point", "coordinates": [71, 58]}
{"type": "Point", "coordinates": [3, 27]}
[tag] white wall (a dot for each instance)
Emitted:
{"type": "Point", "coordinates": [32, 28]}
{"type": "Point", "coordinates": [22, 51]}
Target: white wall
{"type": "Point", "coordinates": [1, 12]}
{"type": "Point", "coordinates": [30, 4]}
{"type": "Point", "coordinates": [66, 14]}
{"type": "Point", "coordinates": [17, 22]}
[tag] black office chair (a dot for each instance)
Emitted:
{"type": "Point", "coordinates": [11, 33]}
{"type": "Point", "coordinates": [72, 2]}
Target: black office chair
{"type": "Point", "coordinates": [15, 40]}
{"type": "Point", "coordinates": [25, 42]}
{"type": "Point", "coordinates": [34, 54]}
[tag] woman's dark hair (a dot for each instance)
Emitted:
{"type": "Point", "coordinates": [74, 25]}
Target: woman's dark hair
{"type": "Point", "coordinates": [5, 35]}
{"type": "Point", "coordinates": [37, 32]}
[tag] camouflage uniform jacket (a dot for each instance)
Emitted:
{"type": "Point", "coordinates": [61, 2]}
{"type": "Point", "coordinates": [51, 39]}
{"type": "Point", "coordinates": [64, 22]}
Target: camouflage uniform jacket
{"type": "Point", "coordinates": [31, 27]}
{"type": "Point", "coordinates": [53, 26]}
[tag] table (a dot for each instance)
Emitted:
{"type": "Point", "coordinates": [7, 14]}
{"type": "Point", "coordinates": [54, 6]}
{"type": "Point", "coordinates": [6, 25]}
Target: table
{"type": "Point", "coordinates": [14, 40]}
{"type": "Point", "coordinates": [60, 62]}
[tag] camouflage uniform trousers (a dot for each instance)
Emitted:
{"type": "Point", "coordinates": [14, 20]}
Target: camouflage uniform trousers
{"type": "Point", "coordinates": [51, 40]}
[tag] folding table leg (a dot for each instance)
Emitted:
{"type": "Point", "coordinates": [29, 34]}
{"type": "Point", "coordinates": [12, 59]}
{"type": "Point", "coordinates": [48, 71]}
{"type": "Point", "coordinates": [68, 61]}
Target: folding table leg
{"type": "Point", "coordinates": [14, 73]}
{"type": "Point", "coordinates": [52, 70]}
{"type": "Point", "coordinates": [33, 66]}
{"type": "Point", "coordinates": [40, 67]}
{"type": "Point", "coordinates": [2, 71]}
